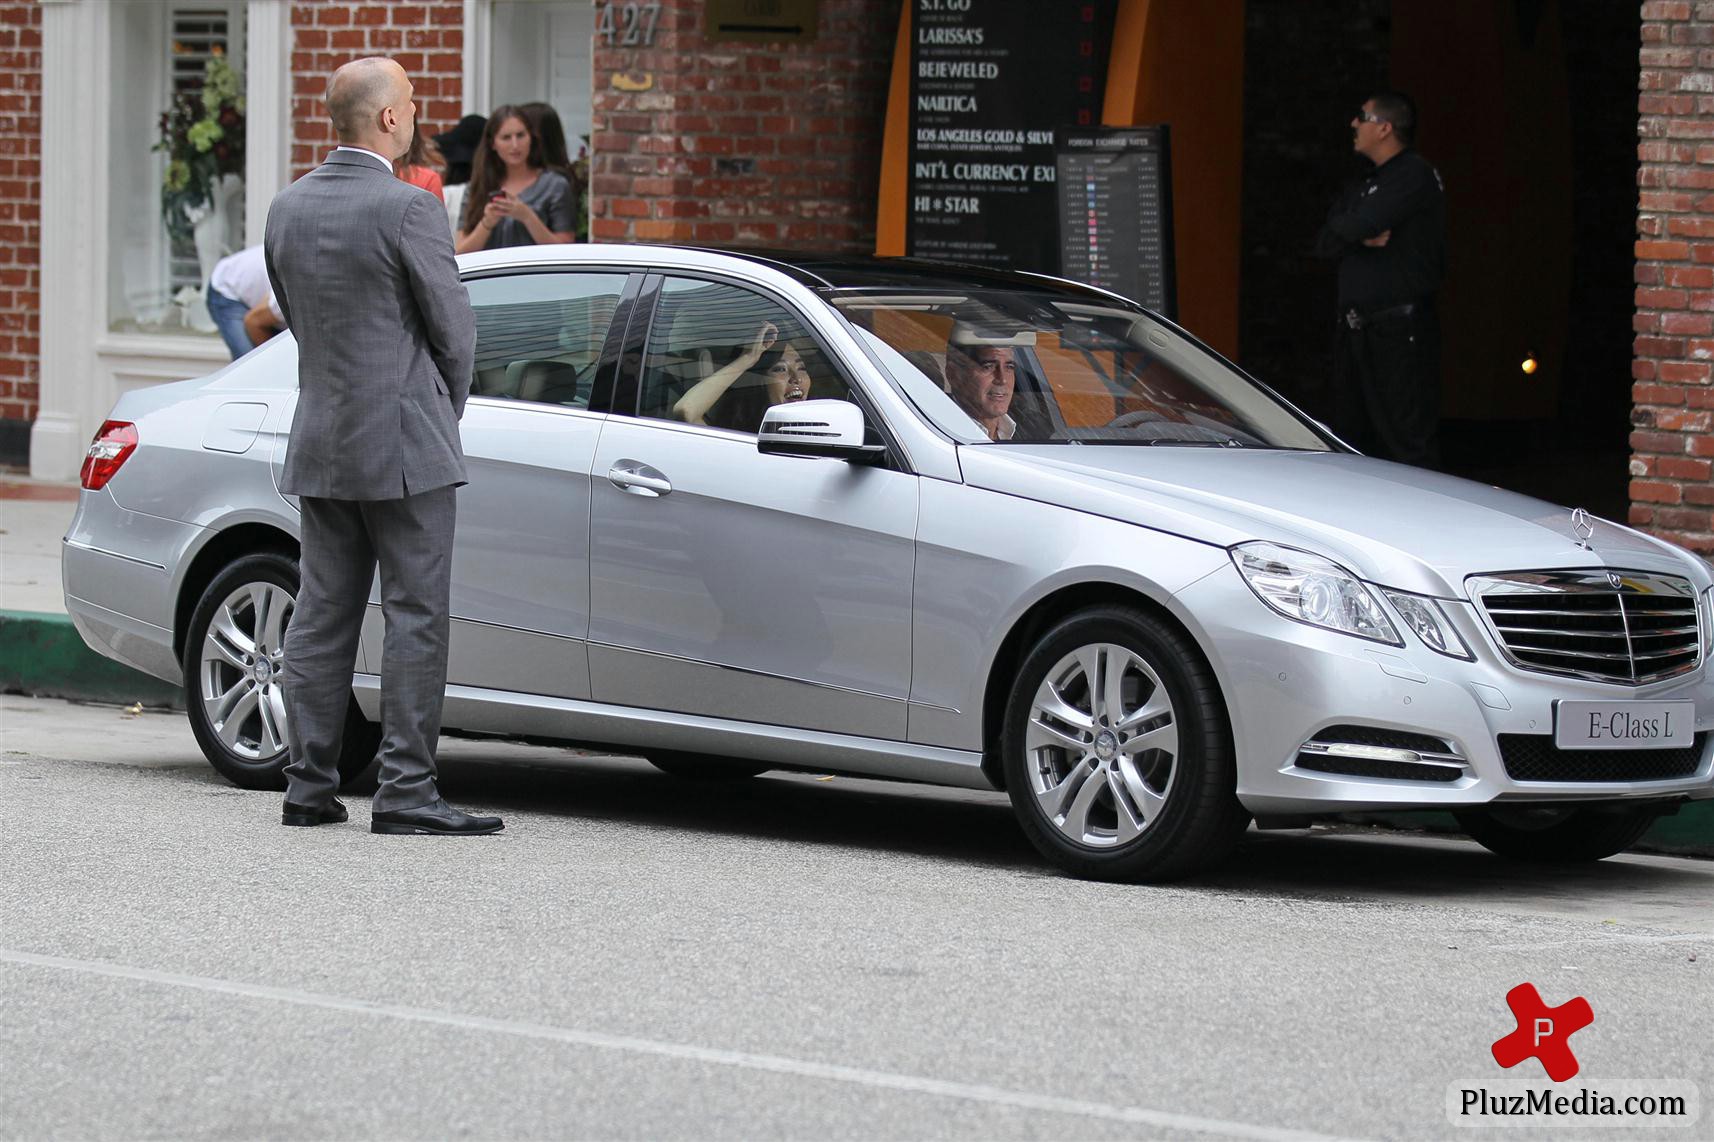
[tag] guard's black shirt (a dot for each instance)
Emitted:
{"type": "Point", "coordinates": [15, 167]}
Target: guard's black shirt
{"type": "Point", "coordinates": [1402, 195]}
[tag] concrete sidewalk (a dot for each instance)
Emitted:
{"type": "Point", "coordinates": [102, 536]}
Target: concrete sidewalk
{"type": "Point", "coordinates": [42, 654]}
{"type": "Point", "coordinates": [33, 518]}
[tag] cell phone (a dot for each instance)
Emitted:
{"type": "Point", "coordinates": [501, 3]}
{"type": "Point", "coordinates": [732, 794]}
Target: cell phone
{"type": "Point", "coordinates": [496, 194]}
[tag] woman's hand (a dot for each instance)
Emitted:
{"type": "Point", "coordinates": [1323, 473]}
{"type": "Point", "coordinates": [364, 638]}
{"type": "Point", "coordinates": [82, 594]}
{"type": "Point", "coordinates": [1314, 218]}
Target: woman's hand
{"type": "Point", "coordinates": [521, 212]}
{"type": "Point", "coordinates": [494, 212]}
{"type": "Point", "coordinates": [765, 338]}
{"type": "Point", "coordinates": [518, 210]}
{"type": "Point", "coordinates": [693, 406]}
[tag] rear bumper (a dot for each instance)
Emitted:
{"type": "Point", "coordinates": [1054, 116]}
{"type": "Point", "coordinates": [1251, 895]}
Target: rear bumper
{"type": "Point", "coordinates": [114, 567]}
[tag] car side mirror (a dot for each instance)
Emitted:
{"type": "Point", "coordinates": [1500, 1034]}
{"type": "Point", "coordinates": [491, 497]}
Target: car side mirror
{"type": "Point", "coordinates": [825, 428]}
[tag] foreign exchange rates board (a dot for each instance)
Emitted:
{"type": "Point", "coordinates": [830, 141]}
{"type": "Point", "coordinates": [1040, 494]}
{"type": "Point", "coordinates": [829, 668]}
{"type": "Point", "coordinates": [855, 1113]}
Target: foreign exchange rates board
{"type": "Point", "coordinates": [1115, 212]}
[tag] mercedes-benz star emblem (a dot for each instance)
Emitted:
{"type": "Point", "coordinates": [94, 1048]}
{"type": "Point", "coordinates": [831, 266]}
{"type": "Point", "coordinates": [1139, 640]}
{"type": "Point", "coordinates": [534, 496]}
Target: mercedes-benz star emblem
{"type": "Point", "coordinates": [1584, 526]}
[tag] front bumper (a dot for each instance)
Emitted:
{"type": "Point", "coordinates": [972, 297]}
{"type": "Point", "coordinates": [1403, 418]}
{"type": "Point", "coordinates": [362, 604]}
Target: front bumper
{"type": "Point", "coordinates": [1286, 683]}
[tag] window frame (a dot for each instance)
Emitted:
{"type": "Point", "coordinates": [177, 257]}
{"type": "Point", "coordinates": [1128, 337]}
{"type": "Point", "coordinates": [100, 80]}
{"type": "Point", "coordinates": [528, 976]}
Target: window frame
{"type": "Point", "coordinates": [628, 387]}
{"type": "Point", "coordinates": [612, 345]}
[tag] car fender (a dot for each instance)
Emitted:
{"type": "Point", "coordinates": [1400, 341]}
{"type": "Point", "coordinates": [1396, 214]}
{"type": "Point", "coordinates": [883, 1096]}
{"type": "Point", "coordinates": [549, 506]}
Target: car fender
{"type": "Point", "coordinates": [986, 559]}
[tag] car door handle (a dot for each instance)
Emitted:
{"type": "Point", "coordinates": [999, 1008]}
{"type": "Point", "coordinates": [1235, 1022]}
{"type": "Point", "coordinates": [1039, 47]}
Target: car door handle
{"type": "Point", "coordinates": [638, 478]}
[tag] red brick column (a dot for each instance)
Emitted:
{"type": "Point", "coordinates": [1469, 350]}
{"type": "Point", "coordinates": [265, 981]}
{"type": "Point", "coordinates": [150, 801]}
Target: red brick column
{"type": "Point", "coordinates": [1672, 445]}
{"type": "Point", "coordinates": [743, 143]}
{"type": "Point", "coordinates": [425, 36]}
{"type": "Point", "coordinates": [20, 213]}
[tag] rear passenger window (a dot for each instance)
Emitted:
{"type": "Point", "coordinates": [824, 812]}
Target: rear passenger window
{"type": "Point", "coordinates": [539, 336]}
{"type": "Point", "coordinates": [721, 355]}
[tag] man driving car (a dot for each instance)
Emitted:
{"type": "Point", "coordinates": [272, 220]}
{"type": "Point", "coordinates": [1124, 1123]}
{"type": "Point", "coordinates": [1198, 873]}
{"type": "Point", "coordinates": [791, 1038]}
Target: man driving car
{"type": "Point", "coordinates": [982, 378]}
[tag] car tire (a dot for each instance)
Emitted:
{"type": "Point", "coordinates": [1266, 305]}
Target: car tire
{"type": "Point", "coordinates": [237, 711]}
{"type": "Point", "coordinates": [1558, 834]}
{"type": "Point", "coordinates": [1156, 742]}
{"type": "Point", "coordinates": [703, 767]}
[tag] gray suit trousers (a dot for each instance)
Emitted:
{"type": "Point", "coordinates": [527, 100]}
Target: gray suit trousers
{"type": "Point", "coordinates": [342, 541]}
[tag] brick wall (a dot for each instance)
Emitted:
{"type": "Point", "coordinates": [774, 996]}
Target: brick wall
{"type": "Point", "coordinates": [425, 36]}
{"type": "Point", "coordinates": [1671, 443]}
{"type": "Point", "coordinates": [743, 143]}
{"type": "Point", "coordinates": [20, 222]}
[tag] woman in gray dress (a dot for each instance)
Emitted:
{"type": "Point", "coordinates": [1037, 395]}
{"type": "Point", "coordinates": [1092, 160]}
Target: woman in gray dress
{"type": "Point", "coordinates": [514, 200]}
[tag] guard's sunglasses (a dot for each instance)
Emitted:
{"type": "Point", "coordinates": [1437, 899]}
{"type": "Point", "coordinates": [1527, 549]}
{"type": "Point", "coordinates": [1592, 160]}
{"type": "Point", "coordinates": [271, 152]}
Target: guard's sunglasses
{"type": "Point", "coordinates": [1368, 116]}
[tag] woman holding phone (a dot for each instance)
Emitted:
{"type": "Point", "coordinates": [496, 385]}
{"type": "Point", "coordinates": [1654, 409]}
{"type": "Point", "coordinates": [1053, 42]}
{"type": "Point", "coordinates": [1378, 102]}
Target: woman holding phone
{"type": "Point", "coordinates": [514, 200]}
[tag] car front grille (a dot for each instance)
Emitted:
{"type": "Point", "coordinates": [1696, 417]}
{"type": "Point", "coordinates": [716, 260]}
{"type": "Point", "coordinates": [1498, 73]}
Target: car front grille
{"type": "Point", "coordinates": [1534, 757]}
{"type": "Point", "coordinates": [1619, 626]}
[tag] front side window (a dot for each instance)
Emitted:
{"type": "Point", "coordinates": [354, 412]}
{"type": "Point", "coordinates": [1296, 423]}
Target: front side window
{"type": "Point", "coordinates": [1018, 367]}
{"type": "Point", "coordinates": [721, 355]}
{"type": "Point", "coordinates": [539, 336]}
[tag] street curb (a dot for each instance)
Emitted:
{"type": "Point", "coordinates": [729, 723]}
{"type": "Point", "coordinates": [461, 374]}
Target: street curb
{"type": "Point", "coordinates": [42, 655]}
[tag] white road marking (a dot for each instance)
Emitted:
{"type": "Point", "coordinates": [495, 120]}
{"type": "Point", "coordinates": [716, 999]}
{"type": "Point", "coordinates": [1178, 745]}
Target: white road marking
{"type": "Point", "coordinates": [1604, 938]}
{"type": "Point", "coordinates": [746, 1060]}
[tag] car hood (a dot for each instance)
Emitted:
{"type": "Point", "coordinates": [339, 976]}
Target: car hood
{"type": "Point", "coordinates": [1391, 524]}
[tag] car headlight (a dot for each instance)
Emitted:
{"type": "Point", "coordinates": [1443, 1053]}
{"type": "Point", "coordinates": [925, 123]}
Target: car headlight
{"type": "Point", "coordinates": [1425, 617]}
{"type": "Point", "coordinates": [1311, 589]}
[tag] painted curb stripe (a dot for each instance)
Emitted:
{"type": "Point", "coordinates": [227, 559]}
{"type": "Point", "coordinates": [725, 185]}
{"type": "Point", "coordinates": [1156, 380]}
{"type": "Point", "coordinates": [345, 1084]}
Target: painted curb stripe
{"type": "Point", "coordinates": [43, 655]}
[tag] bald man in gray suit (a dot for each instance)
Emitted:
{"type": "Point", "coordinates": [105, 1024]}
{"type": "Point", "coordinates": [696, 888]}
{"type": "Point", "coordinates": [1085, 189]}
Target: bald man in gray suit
{"type": "Point", "coordinates": [362, 266]}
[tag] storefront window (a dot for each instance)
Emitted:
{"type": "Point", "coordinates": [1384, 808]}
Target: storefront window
{"type": "Point", "coordinates": [174, 210]}
{"type": "Point", "coordinates": [542, 52]}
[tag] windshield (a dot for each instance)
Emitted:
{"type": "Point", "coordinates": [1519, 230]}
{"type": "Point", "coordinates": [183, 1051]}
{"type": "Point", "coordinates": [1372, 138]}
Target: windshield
{"type": "Point", "coordinates": [1009, 366]}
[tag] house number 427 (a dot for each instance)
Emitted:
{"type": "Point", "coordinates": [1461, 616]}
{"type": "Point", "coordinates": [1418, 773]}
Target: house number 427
{"type": "Point", "coordinates": [633, 26]}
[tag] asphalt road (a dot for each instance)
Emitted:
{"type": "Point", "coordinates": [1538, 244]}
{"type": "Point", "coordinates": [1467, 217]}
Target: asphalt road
{"type": "Point", "coordinates": [641, 957]}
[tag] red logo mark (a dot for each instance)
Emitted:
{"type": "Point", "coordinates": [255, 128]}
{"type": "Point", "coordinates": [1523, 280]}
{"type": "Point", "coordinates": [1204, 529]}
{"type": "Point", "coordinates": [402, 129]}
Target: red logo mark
{"type": "Point", "coordinates": [1543, 1032]}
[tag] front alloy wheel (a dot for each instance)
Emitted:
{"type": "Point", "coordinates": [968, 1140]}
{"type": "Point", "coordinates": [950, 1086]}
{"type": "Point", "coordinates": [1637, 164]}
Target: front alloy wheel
{"type": "Point", "coordinates": [1102, 745]}
{"type": "Point", "coordinates": [1117, 750]}
{"type": "Point", "coordinates": [234, 652]}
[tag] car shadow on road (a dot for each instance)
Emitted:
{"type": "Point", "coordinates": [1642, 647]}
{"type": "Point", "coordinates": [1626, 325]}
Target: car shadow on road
{"type": "Point", "coordinates": [977, 828]}
{"type": "Point", "coordinates": [968, 826]}
{"type": "Point", "coordinates": [1336, 862]}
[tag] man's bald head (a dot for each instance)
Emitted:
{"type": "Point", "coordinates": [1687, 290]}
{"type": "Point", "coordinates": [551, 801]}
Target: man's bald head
{"type": "Point", "coordinates": [360, 97]}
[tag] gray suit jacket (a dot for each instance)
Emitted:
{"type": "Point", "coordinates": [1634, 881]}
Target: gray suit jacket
{"type": "Point", "coordinates": [363, 268]}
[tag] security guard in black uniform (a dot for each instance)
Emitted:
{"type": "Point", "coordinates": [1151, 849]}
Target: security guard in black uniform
{"type": "Point", "coordinates": [1388, 231]}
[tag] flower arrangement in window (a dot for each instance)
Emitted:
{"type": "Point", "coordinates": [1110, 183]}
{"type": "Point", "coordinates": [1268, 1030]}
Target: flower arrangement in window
{"type": "Point", "coordinates": [202, 134]}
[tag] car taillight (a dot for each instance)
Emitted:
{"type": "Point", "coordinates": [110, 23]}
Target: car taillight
{"type": "Point", "coordinates": [111, 447]}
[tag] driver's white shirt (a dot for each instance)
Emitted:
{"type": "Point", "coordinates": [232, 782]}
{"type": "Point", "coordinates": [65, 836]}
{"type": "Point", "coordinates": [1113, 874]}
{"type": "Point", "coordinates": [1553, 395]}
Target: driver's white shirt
{"type": "Point", "coordinates": [1004, 428]}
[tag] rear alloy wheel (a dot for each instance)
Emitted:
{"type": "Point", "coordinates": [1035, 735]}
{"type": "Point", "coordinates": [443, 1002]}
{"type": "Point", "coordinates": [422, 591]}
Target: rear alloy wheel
{"type": "Point", "coordinates": [1118, 752]}
{"type": "Point", "coordinates": [704, 767]}
{"type": "Point", "coordinates": [1559, 834]}
{"type": "Point", "coordinates": [234, 651]}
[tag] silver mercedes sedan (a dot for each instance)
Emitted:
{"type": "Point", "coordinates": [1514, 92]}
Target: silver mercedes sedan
{"type": "Point", "coordinates": [735, 512]}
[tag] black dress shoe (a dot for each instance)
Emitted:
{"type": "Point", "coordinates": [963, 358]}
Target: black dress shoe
{"type": "Point", "coordinates": [436, 818]}
{"type": "Point", "coordinates": [305, 815]}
